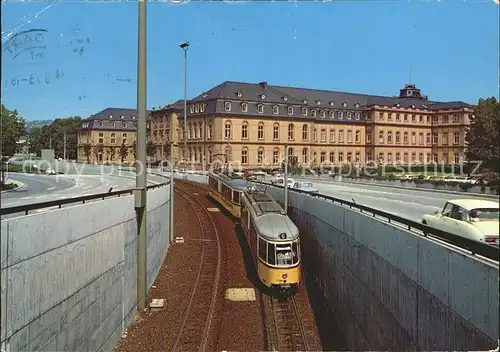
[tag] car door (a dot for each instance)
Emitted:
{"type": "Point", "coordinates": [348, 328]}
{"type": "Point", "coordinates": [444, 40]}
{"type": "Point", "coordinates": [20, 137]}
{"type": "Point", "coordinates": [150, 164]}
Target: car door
{"type": "Point", "coordinates": [453, 221]}
{"type": "Point", "coordinates": [440, 220]}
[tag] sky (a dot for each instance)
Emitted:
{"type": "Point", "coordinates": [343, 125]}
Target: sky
{"type": "Point", "coordinates": [83, 55]}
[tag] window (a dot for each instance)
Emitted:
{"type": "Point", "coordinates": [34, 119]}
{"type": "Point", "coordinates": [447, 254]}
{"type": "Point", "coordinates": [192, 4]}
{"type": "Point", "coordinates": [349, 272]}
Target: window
{"type": "Point", "coordinates": [398, 157]}
{"type": "Point", "coordinates": [276, 109]}
{"type": "Point", "coordinates": [305, 134]}
{"type": "Point", "coordinates": [276, 156]}
{"type": "Point", "coordinates": [381, 137]}
{"type": "Point", "coordinates": [323, 135]}
{"type": "Point", "coordinates": [227, 106]}
{"type": "Point", "coordinates": [101, 138]}
{"type": "Point", "coordinates": [445, 119]}
{"type": "Point", "coordinates": [435, 157]}
{"type": "Point", "coordinates": [209, 131]}
{"type": "Point", "coordinates": [244, 107]}
{"type": "Point", "coordinates": [313, 113]}
{"type": "Point", "coordinates": [260, 156]}
{"type": "Point", "coordinates": [428, 158]}
{"type": "Point", "coordinates": [389, 116]}
{"type": "Point", "coordinates": [290, 132]}
{"type": "Point", "coordinates": [456, 158]}
{"type": "Point", "coordinates": [413, 138]}
{"type": "Point", "coordinates": [322, 114]}
{"type": "Point", "coordinates": [398, 117]}
{"type": "Point", "coordinates": [381, 157]}
{"type": "Point", "coordinates": [358, 157]}
{"type": "Point", "coordinates": [405, 137]}
{"type": "Point", "coordinates": [456, 138]}
{"type": "Point", "coordinates": [227, 130]}
{"type": "Point", "coordinates": [445, 138]}
{"type": "Point", "coordinates": [428, 139]}
{"type": "Point", "coordinates": [435, 138]}
{"type": "Point", "coordinates": [260, 108]}
{"type": "Point", "coordinates": [413, 118]}
{"type": "Point", "coordinates": [113, 124]}
{"type": "Point", "coordinates": [276, 131]}
{"type": "Point", "coordinates": [332, 157]}
{"type": "Point", "coordinates": [389, 136]}
{"type": "Point", "coordinates": [455, 118]}
{"type": "Point", "coordinates": [330, 114]}
{"type": "Point", "coordinates": [304, 156]}
{"type": "Point", "coordinates": [341, 136]}
{"type": "Point", "coordinates": [349, 136]}
{"type": "Point", "coordinates": [405, 158]}
{"type": "Point", "coordinates": [332, 136]}
{"type": "Point", "coordinates": [290, 155]}
{"type": "Point", "coordinates": [340, 115]}
{"type": "Point", "coordinates": [304, 111]}
{"type": "Point", "coordinates": [421, 158]}
{"type": "Point", "coordinates": [244, 130]}
{"type": "Point", "coordinates": [262, 249]}
{"type": "Point", "coordinates": [290, 110]}
{"type": "Point", "coordinates": [244, 156]}
{"type": "Point", "coordinates": [322, 157]}
{"type": "Point", "coordinates": [341, 157]}
{"type": "Point", "coordinates": [349, 115]}
{"type": "Point", "coordinates": [405, 118]}
{"type": "Point", "coordinates": [389, 157]}
{"type": "Point", "coordinates": [349, 157]}
{"type": "Point", "coordinates": [369, 137]}
{"type": "Point", "coordinates": [113, 138]}
{"type": "Point", "coordinates": [421, 138]}
{"type": "Point", "coordinates": [315, 135]}
{"type": "Point", "coordinates": [260, 130]}
{"type": "Point", "coordinates": [271, 255]}
{"type": "Point", "coordinates": [413, 157]}
{"type": "Point", "coordinates": [356, 116]}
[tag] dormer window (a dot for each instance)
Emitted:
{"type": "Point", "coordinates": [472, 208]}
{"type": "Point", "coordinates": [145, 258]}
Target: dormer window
{"type": "Point", "coordinates": [124, 124]}
{"type": "Point", "coordinates": [344, 104]}
{"type": "Point", "coordinates": [349, 114]}
{"type": "Point", "coordinates": [285, 98]}
{"type": "Point", "coordinates": [202, 107]}
{"type": "Point", "coordinates": [340, 115]}
{"type": "Point", "coordinates": [322, 114]}
{"type": "Point", "coordinates": [240, 94]}
{"type": "Point", "coordinates": [332, 103]}
{"type": "Point", "coordinates": [356, 116]}
{"type": "Point", "coordinates": [110, 116]}
{"type": "Point", "coordinates": [113, 124]}
{"type": "Point", "coordinates": [197, 108]}
{"type": "Point", "coordinates": [357, 105]}
{"type": "Point", "coordinates": [413, 106]}
{"type": "Point", "coordinates": [276, 109]}
{"type": "Point", "coordinates": [263, 96]}
{"type": "Point", "coordinates": [244, 107]}
{"type": "Point", "coordinates": [397, 105]}
{"type": "Point", "coordinates": [191, 109]}
{"type": "Point", "coordinates": [313, 113]}
{"type": "Point", "coordinates": [290, 110]}
{"type": "Point", "coordinates": [122, 117]}
{"type": "Point", "coordinates": [318, 102]}
{"type": "Point", "coordinates": [304, 101]}
{"type": "Point", "coordinates": [331, 114]}
{"type": "Point", "coordinates": [260, 108]}
{"type": "Point", "coordinates": [304, 111]}
{"type": "Point", "coordinates": [133, 117]}
{"type": "Point", "coordinates": [227, 106]}
{"type": "Point", "coordinates": [100, 123]}
{"type": "Point", "coordinates": [205, 95]}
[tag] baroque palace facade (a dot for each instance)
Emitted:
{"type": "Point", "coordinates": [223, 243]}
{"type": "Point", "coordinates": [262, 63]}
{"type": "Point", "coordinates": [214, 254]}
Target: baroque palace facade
{"type": "Point", "coordinates": [251, 124]}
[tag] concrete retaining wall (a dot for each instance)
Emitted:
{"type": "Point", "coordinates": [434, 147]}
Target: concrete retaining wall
{"type": "Point", "coordinates": [391, 289]}
{"type": "Point", "coordinates": [69, 275]}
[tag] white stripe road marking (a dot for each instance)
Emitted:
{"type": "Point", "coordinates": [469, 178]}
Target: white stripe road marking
{"type": "Point", "coordinates": [26, 197]}
{"type": "Point", "coordinates": [50, 188]}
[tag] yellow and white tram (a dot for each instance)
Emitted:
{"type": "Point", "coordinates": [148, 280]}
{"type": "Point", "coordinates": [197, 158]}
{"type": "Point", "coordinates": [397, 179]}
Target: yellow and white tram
{"type": "Point", "coordinates": [227, 191]}
{"type": "Point", "coordinates": [274, 241]}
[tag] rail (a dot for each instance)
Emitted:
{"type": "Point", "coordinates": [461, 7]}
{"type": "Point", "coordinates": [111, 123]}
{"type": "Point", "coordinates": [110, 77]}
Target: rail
{"type": "Point", "coordinates": [476, 248]}
{"type": "Point", "coordinates": [26, 208]}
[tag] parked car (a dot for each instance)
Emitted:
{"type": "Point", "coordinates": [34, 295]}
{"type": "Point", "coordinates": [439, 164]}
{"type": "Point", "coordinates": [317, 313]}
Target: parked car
{"type": "Point", "coordinates": [305, 186]}
{"type": "Point", "coordinates": [50, 171]}
{"type": "Point", "coordinates": [474, 219]}
{"type": "Point", "coordinates": [281, 182]}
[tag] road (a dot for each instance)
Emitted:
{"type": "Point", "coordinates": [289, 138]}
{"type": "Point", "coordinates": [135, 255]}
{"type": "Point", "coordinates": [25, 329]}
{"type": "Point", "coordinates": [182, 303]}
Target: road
{"type": "Point", "coordinates": [407, 203]}
{"type": "Point", "coordinates": [44, 188]}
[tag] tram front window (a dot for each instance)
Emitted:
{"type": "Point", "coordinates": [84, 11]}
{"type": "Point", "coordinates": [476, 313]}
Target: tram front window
{"type": "Point", "coordinates": [271, 255]}
{"type": "Point", "coordinates": [284, 255]}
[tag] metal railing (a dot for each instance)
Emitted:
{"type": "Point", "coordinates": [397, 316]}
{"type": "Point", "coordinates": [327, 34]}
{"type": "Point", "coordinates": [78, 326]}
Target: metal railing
{"type": "Point", "coordinates": [482, 249]}
{"type": "Point", "coordinates": [26, 208]}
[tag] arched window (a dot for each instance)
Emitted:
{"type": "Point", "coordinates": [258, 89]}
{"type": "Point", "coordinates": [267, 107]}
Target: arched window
{"type": "Point", "coordinates": [227, 130]}
{"type": "Point", "coordinates": [260, 130]}
{"type": "Point", "coordinates": [244, 156]}
{"type": "Point", "coordinates": [276, 131]}
{"type": "Point", "coordinates": [304, 156]}
{"type": "Point", "coordinates": [260, 156]}
{"type": "Point", "coordinates": [305, 132]}
{"type": "Point", "coordinates": [244, 130]}
{"type": "Point", "coordinates": [290, 132]}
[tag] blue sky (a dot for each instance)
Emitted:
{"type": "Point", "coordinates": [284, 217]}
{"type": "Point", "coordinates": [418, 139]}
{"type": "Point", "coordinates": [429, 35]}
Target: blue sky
{"type": "Point", "coordinates": [357, 46]}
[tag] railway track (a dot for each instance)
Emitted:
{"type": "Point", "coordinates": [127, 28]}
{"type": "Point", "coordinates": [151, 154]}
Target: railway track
{"type": "Point", "coordinates": [196, 323]}
{"type": "Point", "coordinates": [290, 333]}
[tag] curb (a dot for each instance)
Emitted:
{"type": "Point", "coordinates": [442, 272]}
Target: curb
{"type": "Point", "coordinates": [483, 195]}
{"type": "Point", "coordinates": [20, 185]}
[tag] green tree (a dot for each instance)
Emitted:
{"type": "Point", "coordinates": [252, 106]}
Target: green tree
{"type": "Point", "coordinates": [112, 153]}
{"type": "Point", "coordinates": [35, 140]}
{"type": "Point", "coordinates": [13, 126]}
{"type": "Point", "coordinates": [134, 149]}
{"type": "Point", "coordinates": [123, 152]}
{"type": "Point", "coordinates": [483, 134]}
{"type": "Point", "coordinates": [87, 150]}
{"type": "Point", "coordinates": [150, 149]}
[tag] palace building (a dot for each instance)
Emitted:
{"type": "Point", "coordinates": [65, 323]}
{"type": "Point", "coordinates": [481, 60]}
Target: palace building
{"type": "Point", "coordinates": [108, 137]}
{"type": "Point", "coordinates": [252, 123]}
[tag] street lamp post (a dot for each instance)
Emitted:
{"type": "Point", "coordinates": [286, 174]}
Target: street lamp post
{"type": "Point", "coordinates": [141, 176]}
{"type": "Point", "coordinates": [185, 47]}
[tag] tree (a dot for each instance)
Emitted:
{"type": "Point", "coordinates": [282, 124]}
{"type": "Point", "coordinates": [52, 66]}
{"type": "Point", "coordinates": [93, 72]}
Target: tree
{"type": "Point", "coordinates": [123, 152]}
{"type": "Point", "coordinates": [13, 126]}
{"type": "Point", "coordinates": [134, 149]}
{"type": "Point", "coordinates": [35, 140]}
{"type": "Point", "coordinates": [483, 134]}
{"type": "Point", "coordinates": [99, 152]}
{"type": "Point", "coordinates": [87, 149]}
{"type": "Point", "coordinates": [150, 149]}
{"type": "Point", "coordinates": [112, 153]}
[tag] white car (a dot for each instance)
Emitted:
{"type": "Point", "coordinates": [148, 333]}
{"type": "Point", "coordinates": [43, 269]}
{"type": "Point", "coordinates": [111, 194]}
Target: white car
{"type": "Point", "coordinates": [281, 182]}
{"type": "Point", "coordinates": [50, 171]}
{"type": "Point", "coordinates": [474, 219]}
{"type": "Point", "coordinates": [305, 186]}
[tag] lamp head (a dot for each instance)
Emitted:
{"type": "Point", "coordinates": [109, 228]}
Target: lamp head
{"type": "Point", "coordinates": [184, 45]}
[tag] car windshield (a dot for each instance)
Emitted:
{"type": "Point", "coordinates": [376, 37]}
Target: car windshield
{"type": "Point", "coordinates": [484, 214]}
